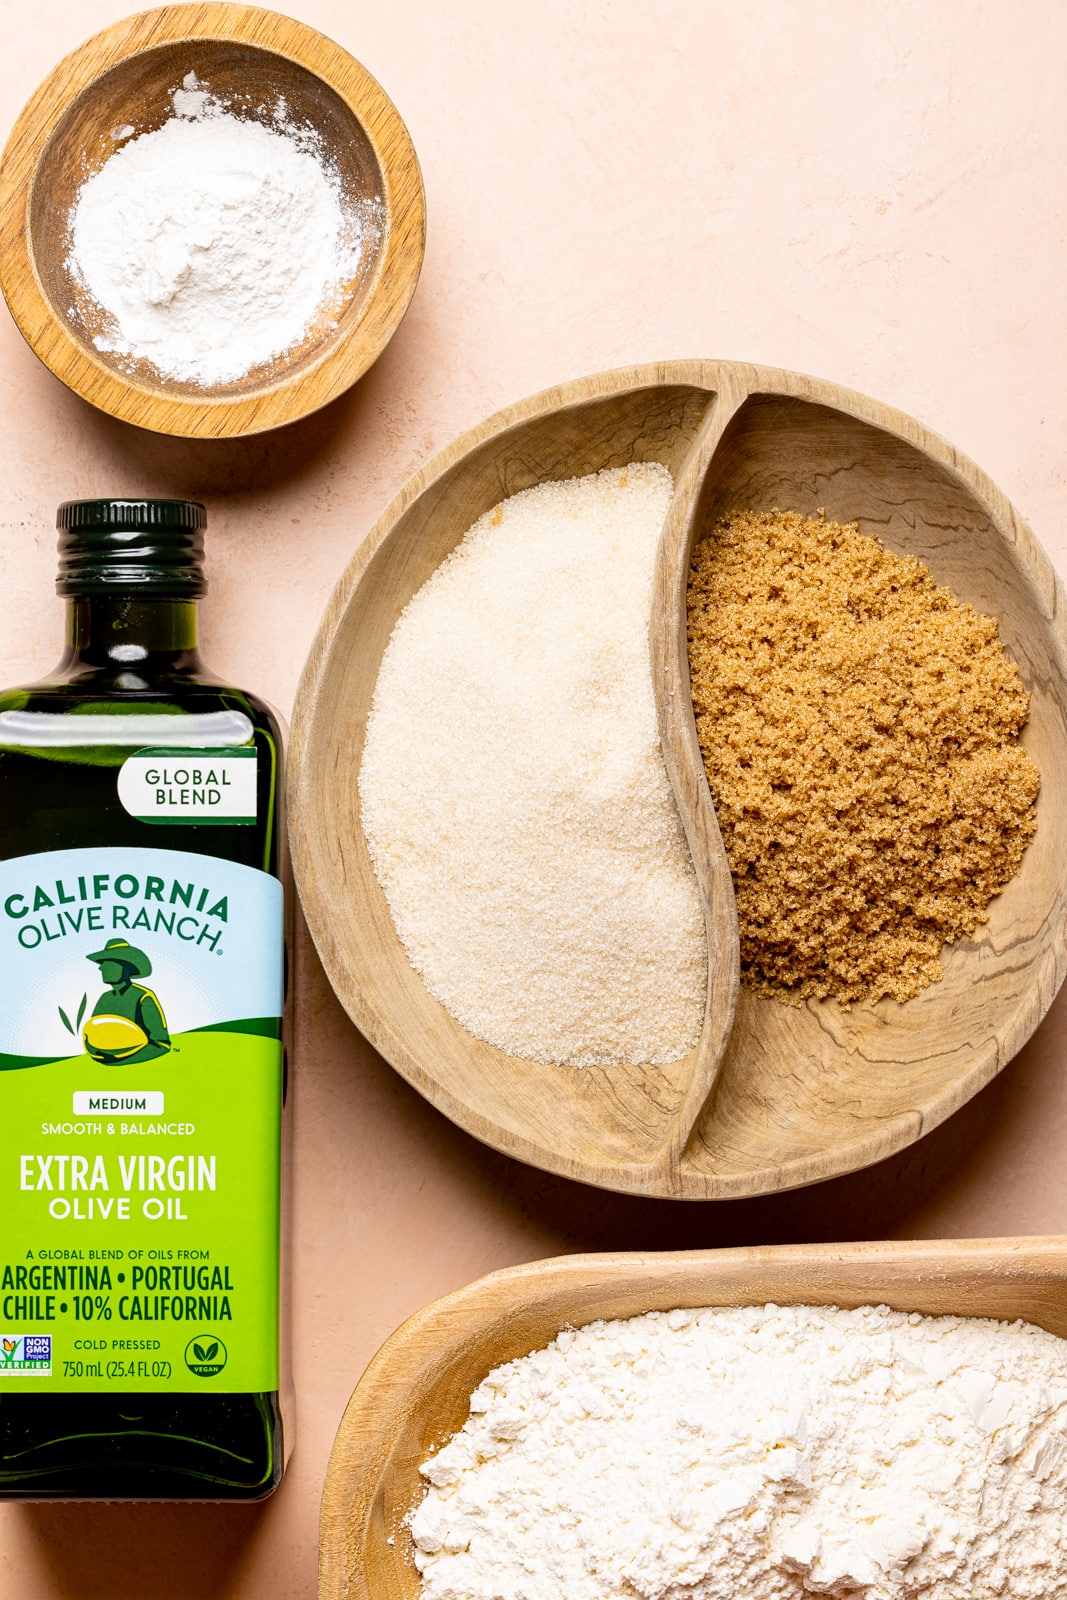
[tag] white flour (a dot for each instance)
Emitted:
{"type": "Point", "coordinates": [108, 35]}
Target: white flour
{"type": "Point", "coordinates": [514, 796]}
{"type": "Point", "coordinates": [756, 1454]}
{"type": "Point", "coordinates": [213, 242]}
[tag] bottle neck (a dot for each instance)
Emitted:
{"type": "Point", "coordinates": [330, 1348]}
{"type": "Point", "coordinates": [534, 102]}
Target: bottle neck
{"type": "Point", "coordinates": [132, 635]}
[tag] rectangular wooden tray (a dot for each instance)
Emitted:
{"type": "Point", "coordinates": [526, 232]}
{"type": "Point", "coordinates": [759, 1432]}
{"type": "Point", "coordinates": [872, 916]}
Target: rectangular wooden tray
{"type": "Point", "coordinates": [415, 1393]}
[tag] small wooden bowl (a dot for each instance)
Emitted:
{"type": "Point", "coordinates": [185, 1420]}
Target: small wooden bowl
{"type": "Point", "coordinates": [123, 77]}
{"type": "Point", "coordinates": [786, 1095]}
{"type": "Point", "coordinates": [414, 1395]}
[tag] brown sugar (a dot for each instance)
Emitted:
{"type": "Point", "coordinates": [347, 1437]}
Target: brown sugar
{"type": "Point", "coordinates": [859, 727]}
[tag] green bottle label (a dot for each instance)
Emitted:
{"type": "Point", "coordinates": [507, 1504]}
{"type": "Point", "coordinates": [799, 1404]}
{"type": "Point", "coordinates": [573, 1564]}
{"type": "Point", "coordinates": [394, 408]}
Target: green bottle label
{"type": "Point", "coordinates": [140, 1113]}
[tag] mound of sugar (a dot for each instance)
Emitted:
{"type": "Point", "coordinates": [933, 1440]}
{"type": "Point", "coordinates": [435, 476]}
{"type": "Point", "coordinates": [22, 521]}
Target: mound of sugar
{"type": "Point", "coordinates": [513, 791]}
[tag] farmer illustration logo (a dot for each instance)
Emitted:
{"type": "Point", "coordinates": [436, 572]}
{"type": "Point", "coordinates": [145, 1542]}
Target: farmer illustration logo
{"type": "Point", "coordinates": [127, 1022]}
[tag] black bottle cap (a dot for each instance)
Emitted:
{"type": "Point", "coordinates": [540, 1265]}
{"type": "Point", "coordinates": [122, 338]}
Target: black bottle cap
{"type": "Point", "coordinates": [150, 547]}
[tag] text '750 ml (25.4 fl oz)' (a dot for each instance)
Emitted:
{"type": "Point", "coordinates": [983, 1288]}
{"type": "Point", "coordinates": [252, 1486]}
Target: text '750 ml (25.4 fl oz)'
{"type": "Point", "coordinates": [141, 1051]}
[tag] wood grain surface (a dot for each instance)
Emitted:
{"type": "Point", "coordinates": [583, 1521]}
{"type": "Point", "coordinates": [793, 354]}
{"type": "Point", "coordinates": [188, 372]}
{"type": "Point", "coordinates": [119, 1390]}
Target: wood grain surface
{"type": "Point", "coordinates": [414, 1395]}
{"type": "Point", "coordinates": [124, 76]}
{"type": "Point", "coordinates": [786, 1095]}
{"type": "Point", "coordinates": [621, 1122]}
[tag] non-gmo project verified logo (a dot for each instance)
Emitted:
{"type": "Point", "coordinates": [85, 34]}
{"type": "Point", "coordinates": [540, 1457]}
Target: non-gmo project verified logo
{"type": "Point", "coordinates": [26, 1354]}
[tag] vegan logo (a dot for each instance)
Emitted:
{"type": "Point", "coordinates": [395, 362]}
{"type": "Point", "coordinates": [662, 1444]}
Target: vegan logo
{"type": "Point", "coordinates": [205, 1355]}
{"type": "Point", "coordinates": [127, 1022]}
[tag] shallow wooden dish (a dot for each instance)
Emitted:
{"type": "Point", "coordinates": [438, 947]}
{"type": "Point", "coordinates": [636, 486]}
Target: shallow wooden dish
{"type": "Point", "coordinates": [787, 1096]}
{"type": "Point", "coordinates": [621, 1126]}
{"type": "Point", "coordinates": [124, 77]}
{"type": "Point", "coordinates": [415, 1393]}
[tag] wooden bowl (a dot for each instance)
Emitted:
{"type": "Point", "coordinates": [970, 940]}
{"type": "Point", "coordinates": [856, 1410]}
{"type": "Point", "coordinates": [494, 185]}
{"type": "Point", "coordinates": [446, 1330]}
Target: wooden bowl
{"type": "Point", "coordinates": [124, 77]}
{"type": "Point", "coordinates": [787, 1095]}
{"type": "Point", "coordinates": [621, 1126]}
{"type": "Point", "coordinates": [414, 1395]}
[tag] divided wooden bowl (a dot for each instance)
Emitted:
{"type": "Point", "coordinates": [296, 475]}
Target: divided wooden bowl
{"type": "Point", "coordinates": [773, 1096]}
{"type": "Point", "coordinates": [414, 1395]}
{"type": "Point", "coordinates": [124, 77]}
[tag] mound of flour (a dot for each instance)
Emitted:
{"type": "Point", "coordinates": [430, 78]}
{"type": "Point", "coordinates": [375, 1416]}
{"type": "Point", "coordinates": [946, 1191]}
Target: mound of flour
{"type": "Point", "coordinates": [757, 1454]}
{"type": "Point", "coordinates": [213, 242]}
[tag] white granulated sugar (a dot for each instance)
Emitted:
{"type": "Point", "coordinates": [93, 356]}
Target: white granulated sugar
{"type": "Point", "coordinates": [213, 242]}
{"type": "Point", "coordinates": [758, 1454]}
{"type": "Point", "coordinates": [514, 796]}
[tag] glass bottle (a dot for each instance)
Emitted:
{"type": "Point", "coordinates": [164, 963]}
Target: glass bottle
{"type": "Point", "coordinates": [141, 1056]}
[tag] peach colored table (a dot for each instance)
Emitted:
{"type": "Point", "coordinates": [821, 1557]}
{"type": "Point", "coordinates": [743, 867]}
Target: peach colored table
{"type": "Point", "coordinates": [870, 193]}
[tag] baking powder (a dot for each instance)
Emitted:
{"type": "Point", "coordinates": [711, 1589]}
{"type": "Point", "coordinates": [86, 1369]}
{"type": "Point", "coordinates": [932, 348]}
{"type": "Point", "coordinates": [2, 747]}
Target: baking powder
{"type": "Point", "coordinates": [213, 242]}
{"type": "Point", "coordinates": [763, 1452]}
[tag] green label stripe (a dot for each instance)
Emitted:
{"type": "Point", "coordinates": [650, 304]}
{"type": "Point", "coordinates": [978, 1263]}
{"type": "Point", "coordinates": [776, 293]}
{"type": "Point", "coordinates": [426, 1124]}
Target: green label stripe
{"type": "Point", "coordinates": [263, 1027]}
{"type": "Point", "coordinates": [267, 1027]}
{"type": "Point", "coordinates": [193, 821]}
{"type": "Point", "coordinates": [17, 1063]}
{"type": "Point", "coordinates": [201, 752]}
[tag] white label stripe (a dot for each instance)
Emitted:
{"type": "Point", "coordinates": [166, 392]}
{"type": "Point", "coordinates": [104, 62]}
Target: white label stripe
{"type": "Point", "coordinates": [189, 785]}
{"type": "Point", "coordinates": [112, 1102]}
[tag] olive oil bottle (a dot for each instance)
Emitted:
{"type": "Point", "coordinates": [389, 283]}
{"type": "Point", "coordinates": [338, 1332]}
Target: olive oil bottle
{"type": "Point", "coordinates": [141, 1055]}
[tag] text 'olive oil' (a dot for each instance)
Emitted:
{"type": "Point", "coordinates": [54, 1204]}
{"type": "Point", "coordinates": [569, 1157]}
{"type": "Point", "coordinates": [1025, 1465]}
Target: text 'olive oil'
{"type": "Point", "coordinates": [141, 1067]}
